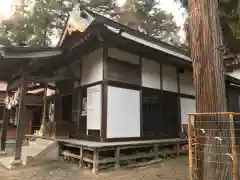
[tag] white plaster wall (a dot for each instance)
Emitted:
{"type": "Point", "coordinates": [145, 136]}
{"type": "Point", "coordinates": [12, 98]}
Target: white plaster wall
{"type": "Point", "coordinates": [187, 106]}
{"type": "Point", "coordinates": [92, 67]}
{"type": "Point", "coordinates": [94, 107]}
{"type": "Point", "coordinates": [150, 74]}
{"type": "Point", "coordinates": [123, 114]}
{"type": "Point", "coordinates": [124, 56]}
{"type": "Point", "coordinates": [169, 81]}
{"type": "Point", "coordinates": [186, 83]}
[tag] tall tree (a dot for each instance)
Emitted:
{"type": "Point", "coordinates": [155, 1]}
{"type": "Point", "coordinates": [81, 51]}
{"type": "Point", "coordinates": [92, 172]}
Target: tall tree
{"type": "Point", "coordinates": [205, 41]}
{"type": "Point", "coordinates": [147, 17]}
{"type": "Point", "coordinates": [229, 15]}
{"type": "Point", "coordinates": [41, 22]}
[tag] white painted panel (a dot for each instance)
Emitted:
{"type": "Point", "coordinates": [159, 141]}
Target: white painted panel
{"type": "Point", "coordinates": [186, 83]}
{"type": "Point", "coordinates": [169, 81]}
{"type": "Point", "coordinates": [150, 74]}
{"type": "Point", "coordinates": [187, 106]}
{"type": "Point", "coordinates": [92, 67]}
{"type": "Point", "coordinates": [123, 114]}
{"type": "Point", "coordinates": [124, 56]}
{"type": "Point", "coordinates": [94, 107]}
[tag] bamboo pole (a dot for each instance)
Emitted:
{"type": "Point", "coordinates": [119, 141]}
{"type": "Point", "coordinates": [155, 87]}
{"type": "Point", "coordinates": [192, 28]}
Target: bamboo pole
{"type": "Point", "coordinates": [212, 113]}
{"type": "Point", "coordinates": [190, 147]}
{"type": "Point", "coordinates": [234, 151]}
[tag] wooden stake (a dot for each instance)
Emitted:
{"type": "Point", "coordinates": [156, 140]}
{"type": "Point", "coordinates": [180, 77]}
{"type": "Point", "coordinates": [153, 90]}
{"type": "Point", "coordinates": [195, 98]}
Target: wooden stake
{"type": "Point", "coordinates": [234, 150]}
{"type": "Point", "coordinates": [190, 147]}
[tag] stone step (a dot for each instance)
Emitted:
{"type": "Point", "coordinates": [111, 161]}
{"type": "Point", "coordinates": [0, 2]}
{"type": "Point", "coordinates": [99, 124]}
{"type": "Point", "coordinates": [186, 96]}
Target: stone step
{"type": "Point", "coordinates": [31, 151]}
{"type": "Point", "coordinates": [41, 141]}
{"type": "Point", "coordinates": [30, 143]}
{"type": "Point", "coordinates": [36, 145]}
{"type": "Point", "coordinates": [35, 150]}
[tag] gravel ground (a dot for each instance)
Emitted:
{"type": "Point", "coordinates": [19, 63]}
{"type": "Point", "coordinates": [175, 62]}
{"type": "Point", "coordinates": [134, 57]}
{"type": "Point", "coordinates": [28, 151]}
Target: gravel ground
{"type": "Point", "coordinates": [172, 169]}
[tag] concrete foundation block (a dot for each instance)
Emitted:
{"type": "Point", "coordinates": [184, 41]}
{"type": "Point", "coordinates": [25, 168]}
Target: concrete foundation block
{"type": "Point", "coordinates": [16, 163]}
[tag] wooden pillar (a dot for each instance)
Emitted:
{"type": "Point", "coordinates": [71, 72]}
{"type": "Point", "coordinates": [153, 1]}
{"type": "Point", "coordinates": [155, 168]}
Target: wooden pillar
{"type": "Point", "coordinates": [178, 150]}
{"type": "Point", "coordinates": [81, 157]}
{"type": "Point", "coordinates": [6, 116]}
{"type": "Point", "coordinates": [95, 161]}
{"type": "Point", "coordinates": [79, 112]}
{"type": "Point", "coordinates": [117, 157]}
{"type": "Point", "coordinates": [20, 126]}
{"type": "Point", "coordinates": [103, 134]}
{"type": "Point", "coordinates": [156, 151]}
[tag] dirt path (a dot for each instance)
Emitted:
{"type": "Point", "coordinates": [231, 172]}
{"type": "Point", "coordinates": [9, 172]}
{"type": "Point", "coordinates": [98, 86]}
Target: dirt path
{"type": "Point", "coordinates": [174, 169]}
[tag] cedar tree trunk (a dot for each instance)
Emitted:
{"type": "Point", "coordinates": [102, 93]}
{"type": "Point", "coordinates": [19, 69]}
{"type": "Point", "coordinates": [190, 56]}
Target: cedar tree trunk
{"type": "Point", "coordinates": [209, 80]}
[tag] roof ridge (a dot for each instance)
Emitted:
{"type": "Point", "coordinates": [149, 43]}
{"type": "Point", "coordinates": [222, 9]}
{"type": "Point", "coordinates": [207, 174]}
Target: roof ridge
{"type": "Point", "coordinates": [150, 38]}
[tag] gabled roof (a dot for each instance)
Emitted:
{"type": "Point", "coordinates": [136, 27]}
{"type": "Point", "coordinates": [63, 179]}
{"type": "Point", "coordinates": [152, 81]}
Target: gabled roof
{"type": "Point", "coordinates": [13, 59]}
{"type": "Point", "coordinates": [28, 52]}
{"type": "Point", "coordinates": [140, 37]}
{"type": "Point", "coordinates": [124, 31]}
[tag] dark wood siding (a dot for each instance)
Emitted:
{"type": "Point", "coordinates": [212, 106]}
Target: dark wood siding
{"type": "Point", "coordinates": [152, 115]}
{"type": "Point", "coordinates": [67, 108]}
{"type": "Point", "coordinates": [160, 113]}
{"type": "Point", "coordinates": [124, 72]}
{"type": "Point", "coordinates": [170, 109]}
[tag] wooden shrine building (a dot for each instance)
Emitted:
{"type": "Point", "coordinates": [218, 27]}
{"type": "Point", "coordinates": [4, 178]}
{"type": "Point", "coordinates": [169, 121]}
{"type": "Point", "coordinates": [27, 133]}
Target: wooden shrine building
{"type": "Point", "coordinates": [108, 83]}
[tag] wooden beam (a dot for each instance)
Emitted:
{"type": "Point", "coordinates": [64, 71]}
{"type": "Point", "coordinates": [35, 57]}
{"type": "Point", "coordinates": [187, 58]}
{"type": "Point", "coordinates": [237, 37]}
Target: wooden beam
{"type": "Point", "coordinates": [25, 56]}
{"type": "Point", "coordinates": [103, 134]}
{"type": "Point", "coordinates": [6, 116]}
{"type": "Point", "coordinates": [140, 97]}
{"type": "Point", "coordinates": [80, 100]}
{"type": "Point", "coordinates": [40, 79]}
{"type": "Point", "coordinates": [21, 118]}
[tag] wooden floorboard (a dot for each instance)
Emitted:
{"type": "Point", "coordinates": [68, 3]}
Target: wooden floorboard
{"type": "Point", "coordinates": [92, 144]}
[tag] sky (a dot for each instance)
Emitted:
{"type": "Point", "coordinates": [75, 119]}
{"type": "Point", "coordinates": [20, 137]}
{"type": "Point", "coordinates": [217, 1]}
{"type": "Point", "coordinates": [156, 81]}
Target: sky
{"type": "Point", "coordinates": [178, 13]}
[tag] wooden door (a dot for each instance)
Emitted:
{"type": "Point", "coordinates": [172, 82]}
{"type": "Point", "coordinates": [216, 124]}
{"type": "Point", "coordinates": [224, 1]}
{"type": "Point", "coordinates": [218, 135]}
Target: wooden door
{"type": "Point", "coordinates": [170, 114]}
{"type": "Point", "coordinates": [152, 115]}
